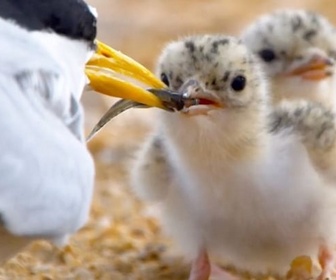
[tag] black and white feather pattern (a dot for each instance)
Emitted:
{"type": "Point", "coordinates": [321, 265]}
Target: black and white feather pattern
{"type": "Point", "coordinates": [46, 170]}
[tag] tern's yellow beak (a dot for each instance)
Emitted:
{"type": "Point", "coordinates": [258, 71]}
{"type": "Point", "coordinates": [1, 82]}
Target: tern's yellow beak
{"type": "Point", "coordinates": [107, 63]}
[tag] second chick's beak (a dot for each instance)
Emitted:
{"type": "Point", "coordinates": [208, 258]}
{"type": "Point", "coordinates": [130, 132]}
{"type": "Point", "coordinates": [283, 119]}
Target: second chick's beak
{"type": "Point", "coordinates": [107, 65]}
{"type": "Point", "coordinates": [317, 68]}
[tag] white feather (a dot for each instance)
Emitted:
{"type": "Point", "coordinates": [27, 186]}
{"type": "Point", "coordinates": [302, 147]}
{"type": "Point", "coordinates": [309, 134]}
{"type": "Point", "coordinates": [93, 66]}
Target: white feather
{"type": "Point", "coordinates": [260, 213]}
{"type": "Point", "coordinates": [46, 170]}
{"type": "Point", "coordinates": [250, 198]}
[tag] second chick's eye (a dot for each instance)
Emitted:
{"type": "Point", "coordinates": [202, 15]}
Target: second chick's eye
{"type": "Point", "coordinates": [238, 83]}
{"type": "Point", "coordinates": [267, 55]}
{"type": "Point", "coordinates": [164, 79]}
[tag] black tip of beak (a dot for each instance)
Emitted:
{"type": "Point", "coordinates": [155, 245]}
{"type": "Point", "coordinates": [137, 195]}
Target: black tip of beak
{"type": "Point", "coordinates": [171, 100]}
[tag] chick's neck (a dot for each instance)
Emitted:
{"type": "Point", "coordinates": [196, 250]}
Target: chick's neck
{"type": "Point", "coordinates": [233, 135]}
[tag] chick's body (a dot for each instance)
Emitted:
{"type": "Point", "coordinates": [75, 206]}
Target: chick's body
{"type": "Point", "coordinates": [297, 50]}
{"type": "Point", "coordinates": [240, 210]}
{"type": "Point", "coordinates": [227, 185]}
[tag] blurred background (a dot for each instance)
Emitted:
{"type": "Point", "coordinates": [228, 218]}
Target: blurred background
{"type": "Point", "coordinates": [123, 239]}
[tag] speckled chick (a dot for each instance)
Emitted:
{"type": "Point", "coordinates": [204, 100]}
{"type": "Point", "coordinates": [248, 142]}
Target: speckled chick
{"type": "Point", "coordinates": [233, 190]}
{"type": "Point", "coordinates": [297, 49]}
{"type": "Point", "coordinates": [316, 126]}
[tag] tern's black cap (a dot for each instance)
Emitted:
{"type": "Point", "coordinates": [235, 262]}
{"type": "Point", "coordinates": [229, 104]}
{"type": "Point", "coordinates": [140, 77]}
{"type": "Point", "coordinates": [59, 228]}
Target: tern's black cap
{"type": "Point", "coordinates": [70, 18]}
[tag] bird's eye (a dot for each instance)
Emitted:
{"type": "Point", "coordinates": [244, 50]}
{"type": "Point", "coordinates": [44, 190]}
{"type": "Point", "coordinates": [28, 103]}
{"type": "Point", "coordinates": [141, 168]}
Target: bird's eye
{"type": "Point", "coordinates": [267, 55]}
{"type": "Point", "coordinates": [164, 79]}
{"type": "Point", "coordinates": [238, 83]}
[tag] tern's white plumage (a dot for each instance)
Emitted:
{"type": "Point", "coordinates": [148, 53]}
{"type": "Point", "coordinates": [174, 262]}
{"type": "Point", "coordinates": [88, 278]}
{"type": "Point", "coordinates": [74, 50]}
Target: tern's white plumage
{"type": "Point", "coordinates": [46, 170]}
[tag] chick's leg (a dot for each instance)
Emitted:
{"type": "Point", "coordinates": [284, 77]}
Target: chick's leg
{"type": "Point", "coordinates": [327, 259]}
{"type": "Point", "coordinates": [218, 273]}
{"type": "Point", "coordinates": [202, 269]}
{"type": "Point", "coordinates": [150, 176]}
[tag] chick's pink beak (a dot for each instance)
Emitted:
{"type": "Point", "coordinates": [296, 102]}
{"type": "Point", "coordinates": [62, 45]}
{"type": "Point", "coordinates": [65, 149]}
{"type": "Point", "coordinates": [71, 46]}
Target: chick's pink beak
{"type": "Point", "coordinates": [316, 69]}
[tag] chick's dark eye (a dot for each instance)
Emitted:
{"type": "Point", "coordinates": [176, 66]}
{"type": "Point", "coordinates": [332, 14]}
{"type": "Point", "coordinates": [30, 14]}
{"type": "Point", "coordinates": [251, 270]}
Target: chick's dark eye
{"type": "Point", "coordinates": [267, 55]}
{"type": "Point", "coordinates": [164, 79]}
{"type": "Point", "coordinates": [238, 83]}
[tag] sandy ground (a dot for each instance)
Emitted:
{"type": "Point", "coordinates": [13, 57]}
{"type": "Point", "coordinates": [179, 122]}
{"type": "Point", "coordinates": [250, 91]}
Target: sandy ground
{"type": "Point", "coordinates": [123, 239]}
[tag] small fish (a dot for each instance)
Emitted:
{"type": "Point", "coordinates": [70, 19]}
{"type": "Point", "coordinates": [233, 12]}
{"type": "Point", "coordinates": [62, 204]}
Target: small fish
{"type": "Point", "coordinates": [116, 109]}
{"type": "Point", "coordinates": [172, 101]}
